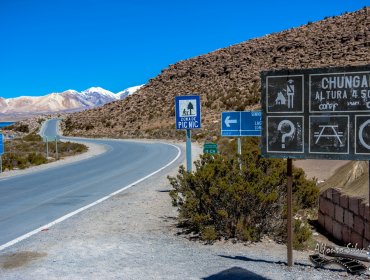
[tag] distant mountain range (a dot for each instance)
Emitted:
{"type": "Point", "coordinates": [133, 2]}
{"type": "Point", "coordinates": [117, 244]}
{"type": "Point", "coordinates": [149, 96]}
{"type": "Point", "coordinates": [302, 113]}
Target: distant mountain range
{"type": "Point", "coordinates": [66, 101]}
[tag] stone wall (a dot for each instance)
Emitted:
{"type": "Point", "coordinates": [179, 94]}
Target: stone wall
{"type": "Point", "coordinates": [344, 217]}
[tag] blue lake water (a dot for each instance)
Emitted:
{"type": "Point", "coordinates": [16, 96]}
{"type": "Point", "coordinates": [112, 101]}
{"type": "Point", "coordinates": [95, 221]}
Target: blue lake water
{"type": "Point", "coordinates": [2, 124]}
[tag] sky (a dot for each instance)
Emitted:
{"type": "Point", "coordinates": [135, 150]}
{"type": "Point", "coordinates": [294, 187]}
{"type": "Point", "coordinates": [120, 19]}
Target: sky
{"type": "Point", "coordinates": [54, 45]}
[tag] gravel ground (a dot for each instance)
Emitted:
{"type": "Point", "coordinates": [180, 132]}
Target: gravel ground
{"type": "Point", "coordinates": [133, 236]}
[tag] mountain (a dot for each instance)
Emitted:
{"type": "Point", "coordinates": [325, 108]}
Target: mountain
{"type": "Point", "coordinates": [129, 91]}
{"type": "Point", "coordinates": [65, 101]}
{"type": "Point", "coordinates": [228, 78]}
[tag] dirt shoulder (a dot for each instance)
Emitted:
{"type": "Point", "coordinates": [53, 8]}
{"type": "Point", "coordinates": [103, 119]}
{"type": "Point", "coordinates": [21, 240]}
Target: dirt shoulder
{"type": "Point", "coordinates": [133, 236]}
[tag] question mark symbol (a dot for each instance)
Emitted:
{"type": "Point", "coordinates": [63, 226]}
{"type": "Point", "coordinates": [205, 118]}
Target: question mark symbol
{"type": "Point", "coordinates": [290, 133]}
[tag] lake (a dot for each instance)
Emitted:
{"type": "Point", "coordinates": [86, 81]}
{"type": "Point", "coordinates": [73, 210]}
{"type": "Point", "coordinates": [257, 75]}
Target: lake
{"type": "Point", "coordinates": [2, 124]}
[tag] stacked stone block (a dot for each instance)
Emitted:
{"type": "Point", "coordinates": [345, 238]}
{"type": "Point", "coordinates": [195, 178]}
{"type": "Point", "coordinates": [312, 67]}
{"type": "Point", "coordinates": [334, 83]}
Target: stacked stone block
{"type": "Point", "coordinates": [345, 218]}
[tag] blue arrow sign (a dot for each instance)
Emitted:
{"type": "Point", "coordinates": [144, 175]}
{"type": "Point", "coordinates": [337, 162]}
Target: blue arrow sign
{"type": "Point", "coordinates": [1, 144]}
{"type": "Point", "coordinates": [241, 123]}
{"type": "Point", "coordinates": [187, 112]}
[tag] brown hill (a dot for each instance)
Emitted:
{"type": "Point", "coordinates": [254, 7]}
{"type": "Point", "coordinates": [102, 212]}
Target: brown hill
{"type": "Point", "coordinates": [228, 79]}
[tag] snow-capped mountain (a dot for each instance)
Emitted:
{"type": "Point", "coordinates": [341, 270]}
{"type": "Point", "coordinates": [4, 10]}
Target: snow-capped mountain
{"type": "Point", "coordinates": [69, 100]}
{"type": "Point", "coordinates": [128, 91]}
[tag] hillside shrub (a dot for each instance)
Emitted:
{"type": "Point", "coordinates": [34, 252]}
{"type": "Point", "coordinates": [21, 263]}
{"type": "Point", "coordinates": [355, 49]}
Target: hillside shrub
{"type": "Point", "coordinates": [220, 200]}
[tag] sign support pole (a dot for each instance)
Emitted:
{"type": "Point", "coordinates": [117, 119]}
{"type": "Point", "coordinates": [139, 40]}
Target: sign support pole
{"type": "Point", "coordinates": [290, 212]}
{"type": "Point", "coordinates": [47, 148]}
{"type": "Point", "coordinates": [1, 164]}
{"type": "Point", "coordinates": [188, 151]}
{"type": "Point", "coordinates": [56, 147]}
{"type": "Point", "coordinates": [240, 152]}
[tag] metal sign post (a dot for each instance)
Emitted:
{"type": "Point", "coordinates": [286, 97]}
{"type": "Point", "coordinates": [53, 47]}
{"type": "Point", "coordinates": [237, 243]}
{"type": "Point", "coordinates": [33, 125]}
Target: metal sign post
{"type": "Point", "coordinates": [188, 151]}
{"type": "Point", "coordinates": [187, 112]}
{"type": "Point", "coordinates": [240, 152]}
{"type": "Point", "coordinates": [290, 212]}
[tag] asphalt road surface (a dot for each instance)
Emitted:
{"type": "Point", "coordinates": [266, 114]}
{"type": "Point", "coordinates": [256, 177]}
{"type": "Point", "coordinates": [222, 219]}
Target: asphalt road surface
{"type": "Point", "coordinates": [30, 201]}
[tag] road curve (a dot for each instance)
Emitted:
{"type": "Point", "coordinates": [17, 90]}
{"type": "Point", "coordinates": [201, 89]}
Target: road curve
{"type": "Point", "coordinates": [30, 201]}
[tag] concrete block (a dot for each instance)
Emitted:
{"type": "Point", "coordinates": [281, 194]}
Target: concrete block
{"type": "Point", "coordinates": [346, 234]}
{"type": "Point", "coordinates": [356, 239]}
{"type": "Point", "coordinates": [348, 218]}
{"type": "Point", "coordinates": [329, 194]}
{"type": "Point", "coordinates": [358, 225]}
{"type": "Point", "coordinates": [364, 210]}
{"type": "Point", "coordinates": [336, 195]}
{"type": "Point", "coordinates": [366, 244]}
{"type": "Point", "coordinates": [328, 224]}
{"type": "Point", "coordinates": [321, 219]}
{"type": "Point", "coordinates": [367, 230]}
{"type": "Point", "coordinates": [339, 214]}
{"type": "Point", "coordinates": [327, 207]}
{"type": "Point", "coordinates": [337, 230]}
{"type": "Point", "coordinates": [343, 201]}
{"type": "Point", "coordinates": [353, 203]}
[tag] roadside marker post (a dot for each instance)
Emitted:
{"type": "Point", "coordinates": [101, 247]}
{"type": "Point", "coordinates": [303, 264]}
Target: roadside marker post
{"type": "Point", "coordinates": [1, 152]}
{"type": "Point", "coordinates": [56, 147]}
{"type": "Point", "coordinates": [188, 117]}
{"type": "Point", "coordinates": [47, 148]}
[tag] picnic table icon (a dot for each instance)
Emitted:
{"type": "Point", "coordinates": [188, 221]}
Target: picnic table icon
{"type": "Point", "coordinates": [333, 129]}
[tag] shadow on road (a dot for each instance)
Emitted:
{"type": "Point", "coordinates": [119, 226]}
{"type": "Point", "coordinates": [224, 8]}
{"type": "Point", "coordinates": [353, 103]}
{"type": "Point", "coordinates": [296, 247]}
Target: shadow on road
{"type": "Point", "coordinates": [243, 258]}
{"type": "Point", "coordinates": [235, 273]}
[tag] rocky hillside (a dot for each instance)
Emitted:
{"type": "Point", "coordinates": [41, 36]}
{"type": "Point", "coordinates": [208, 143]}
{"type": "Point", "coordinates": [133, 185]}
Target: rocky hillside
{"type": "Point", "coordinates": [228, 79]}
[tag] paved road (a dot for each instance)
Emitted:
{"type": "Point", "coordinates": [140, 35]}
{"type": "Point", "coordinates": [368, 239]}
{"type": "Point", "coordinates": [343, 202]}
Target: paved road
{"type": "Point", "coordinates": [30, 201]}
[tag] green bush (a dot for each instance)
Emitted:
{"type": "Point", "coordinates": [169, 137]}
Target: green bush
{"type": "Point", "coordinates": [36, 159]}
{"type": "Point", "coordinates": [243, 204]}
{"type": "Point", "coordinates": [302, 233]}
{"type": "Point", "coordinates": [32, 137]}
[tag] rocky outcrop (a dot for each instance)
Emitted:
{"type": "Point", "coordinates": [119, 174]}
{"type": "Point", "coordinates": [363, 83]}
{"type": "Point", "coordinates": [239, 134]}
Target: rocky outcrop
{"type": "Point", "coordinates": [229, 78]}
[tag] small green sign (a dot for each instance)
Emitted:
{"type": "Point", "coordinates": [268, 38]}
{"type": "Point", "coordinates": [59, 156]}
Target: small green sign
{"type": "Point", "coordinates": [210, 148]}
{"type": "Point", "coordinates": [50, 138]}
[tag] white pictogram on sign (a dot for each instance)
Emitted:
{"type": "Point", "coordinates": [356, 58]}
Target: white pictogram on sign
{"type": "Point", "coordinates": [289, 133]}
{"type": "Point", "coordinates": [187, 108]}
{"type": "Point", "coordinates": [361, 134]}
{"type": "Point", "coordinates": [289, 98]}
{"type": "Point", "coordinates": [335, 134]}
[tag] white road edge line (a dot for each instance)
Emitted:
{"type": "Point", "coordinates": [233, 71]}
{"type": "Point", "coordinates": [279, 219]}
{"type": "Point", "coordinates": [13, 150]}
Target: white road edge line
{"type": "Point", "coordinates": [65, 217]}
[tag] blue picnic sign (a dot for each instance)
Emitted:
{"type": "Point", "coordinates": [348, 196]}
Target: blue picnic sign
{"type": "Point", "coordinates": [187, 111]}
{"type": "Point", "coordinates": [241, 123]}
{"type": "Point", "coordinates": [1, 144]}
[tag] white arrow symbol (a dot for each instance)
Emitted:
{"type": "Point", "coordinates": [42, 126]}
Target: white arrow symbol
{"type": "Point", "coordinates": [228, 121]}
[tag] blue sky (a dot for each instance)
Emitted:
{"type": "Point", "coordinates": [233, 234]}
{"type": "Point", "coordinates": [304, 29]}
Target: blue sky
{"type": "Point", "coordinates": [54, 45]}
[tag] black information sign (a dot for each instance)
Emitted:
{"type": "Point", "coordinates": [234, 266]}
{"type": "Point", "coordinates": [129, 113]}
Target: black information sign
{"type": "Point", "coordinates": [316, 113]}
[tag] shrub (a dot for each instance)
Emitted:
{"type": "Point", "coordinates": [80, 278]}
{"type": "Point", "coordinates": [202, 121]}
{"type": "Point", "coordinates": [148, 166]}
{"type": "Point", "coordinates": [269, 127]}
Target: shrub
{"type": "Point", "coordinates": [36, 159]}
{"type": "Point", "coordinates": [243, 204]}
{"type": "Point", "coordinates": [19, 127]}
{"type": "Point", "coordinates": [302, 233]}
{"type": "Point", "coordinates": [32, 137]}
